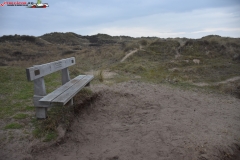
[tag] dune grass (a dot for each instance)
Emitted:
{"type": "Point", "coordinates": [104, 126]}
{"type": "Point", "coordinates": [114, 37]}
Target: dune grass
{"type": "Point", "coordinates": [155, 63]}
{"type": "Point", "coordinates": [13, 126]}
{"type": "Point", "coordinates": [16, 101]}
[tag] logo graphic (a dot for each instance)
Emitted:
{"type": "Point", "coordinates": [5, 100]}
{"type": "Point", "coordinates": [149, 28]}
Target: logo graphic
{"type": "Point", "coordinates": [14, 4]}
{"type": "Point", "coordinates": [39, 4]}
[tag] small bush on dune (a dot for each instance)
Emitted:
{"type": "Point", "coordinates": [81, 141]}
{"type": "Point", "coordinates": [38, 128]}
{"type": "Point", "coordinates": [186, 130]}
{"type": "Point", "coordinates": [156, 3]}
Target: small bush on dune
{"type": "Point", "coordinates": [143, 42]}
{"type": "Point", "coordinates": [100, 76]}
{"type": "Point", "coordinates": [236, 91]}
{"type": "Point", "coordinates": [68, 52]}
{"type": "Point", "coordinates": [130, 47]}
{"type": "Point", "coordinates": [232, 88]}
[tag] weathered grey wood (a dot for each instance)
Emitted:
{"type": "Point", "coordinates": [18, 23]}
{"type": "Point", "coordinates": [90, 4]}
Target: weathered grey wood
{"type": "Point", "coordinates": [38, 103]}
{"type": "Point", "coordinates": [65, 79]}
{"type": "Point", "coordinates": [51, 96]}
{"type": "Point", "coordinates": [39, 92]}
{"type": "Point", "coordinates": [71, 103]}
{"type": "Point", "coordinates": [41, 112]}
{"type": "Point", "coordinates": [39, 87]}
{"type": "Point", "coordinates": [63, 94]}
{"type": "Point", "coordinates": [65, 76]}
{"type": "Point", "coordinates": [38, 71]}
{"type": "Point", "coordinates": [73, 90]}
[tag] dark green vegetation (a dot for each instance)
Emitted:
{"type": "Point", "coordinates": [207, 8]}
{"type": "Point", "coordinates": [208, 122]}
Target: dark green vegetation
{"type": "Point", "coordinates": [180, 62]}
{"type": "Point", "coordinates": [15, 91]}
{"type": "Point", "coordinates": [13, 126]}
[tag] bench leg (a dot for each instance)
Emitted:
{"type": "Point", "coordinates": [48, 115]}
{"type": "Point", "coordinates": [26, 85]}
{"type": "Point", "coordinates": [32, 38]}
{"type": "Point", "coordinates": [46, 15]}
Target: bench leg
{"type": "Point", "coordinates": [39, 92]}
{"type": "Point", "coordinates": [88, 85]}
{"type": "Point", "coordinates": [69, 103]}
{"type": "Point", "coordinates": [41, 112]}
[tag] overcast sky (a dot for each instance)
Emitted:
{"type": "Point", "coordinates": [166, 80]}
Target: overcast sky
{"type": "Point", "coordinates": [136, 18]}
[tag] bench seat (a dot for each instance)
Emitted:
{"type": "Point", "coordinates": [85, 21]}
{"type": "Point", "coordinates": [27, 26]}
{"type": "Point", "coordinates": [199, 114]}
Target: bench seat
{"type": "Point", "coordinates": [66, 92]}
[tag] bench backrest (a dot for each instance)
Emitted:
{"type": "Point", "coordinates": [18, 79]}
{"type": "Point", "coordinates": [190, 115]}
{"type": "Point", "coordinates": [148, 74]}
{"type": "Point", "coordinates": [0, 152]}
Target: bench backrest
{"type": "Point", "coordinates": [39, 71]}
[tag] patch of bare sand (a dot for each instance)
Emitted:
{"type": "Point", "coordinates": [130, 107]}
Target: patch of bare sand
{"type": "Point", "coordinates": [143, 121]}
{"type": "Point", "coordinates": [106, 73]}
{"type": "Point", "coordinates": [202, 84]}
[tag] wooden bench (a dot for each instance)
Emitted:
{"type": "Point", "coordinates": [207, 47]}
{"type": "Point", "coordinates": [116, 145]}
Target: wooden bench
{"type": "Point", "coordinates": [61, 95]}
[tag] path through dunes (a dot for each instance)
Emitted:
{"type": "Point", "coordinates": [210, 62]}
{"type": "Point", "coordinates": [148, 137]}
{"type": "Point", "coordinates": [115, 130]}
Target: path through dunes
{"type": "Point", "coordinates": [135, 120]}
{"type": "Point", "coordinates": [129, 54]}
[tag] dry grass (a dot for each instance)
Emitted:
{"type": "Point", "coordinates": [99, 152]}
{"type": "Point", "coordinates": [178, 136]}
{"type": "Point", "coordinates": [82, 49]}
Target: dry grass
{"type": "Point", "coordinates": [100, 76]}
{"type": "Point", "coordinates": [154, 63]}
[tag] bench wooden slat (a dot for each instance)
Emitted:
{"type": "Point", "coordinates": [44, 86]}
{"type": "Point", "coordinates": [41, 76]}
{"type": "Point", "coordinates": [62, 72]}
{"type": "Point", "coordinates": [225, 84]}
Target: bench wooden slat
{"type": "Point", "coordinates": [73, 90]}
{"type": "Point", "coordinates": [38, 71]}
{"type": "Point", "coordinates": [51, 96]}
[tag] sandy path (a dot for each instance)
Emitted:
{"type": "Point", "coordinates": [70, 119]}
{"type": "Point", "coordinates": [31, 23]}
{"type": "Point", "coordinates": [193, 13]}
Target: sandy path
{"type": "Point", "coordinates": [217, 83]}
{"type": "Point", "coordinates": [132, 52]}
{"type": "Point", "coordinates": [151, 122]}
{"type": "Point", "coordinates": [129, 54]}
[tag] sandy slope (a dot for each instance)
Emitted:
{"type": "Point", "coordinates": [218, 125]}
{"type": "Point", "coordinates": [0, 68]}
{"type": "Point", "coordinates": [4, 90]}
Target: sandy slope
{"type": "Point", "coordinates": [142, 121]}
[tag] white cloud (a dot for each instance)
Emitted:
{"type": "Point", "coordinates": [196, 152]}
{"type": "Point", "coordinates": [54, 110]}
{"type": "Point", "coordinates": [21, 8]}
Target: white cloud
{"type": "Point", "coordinates": [194, 24]}
{"type": "Point", "coordinates": [137, 32]}
{"type": "Point", "coordinates": [165, 18]}
{"type": "Point", "coordinates": [217, 29]}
